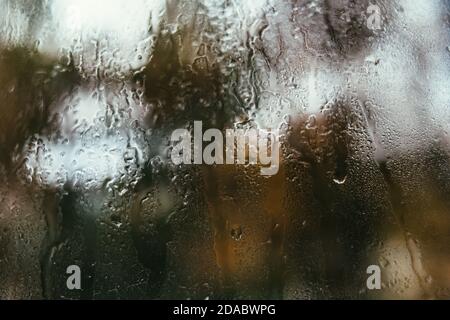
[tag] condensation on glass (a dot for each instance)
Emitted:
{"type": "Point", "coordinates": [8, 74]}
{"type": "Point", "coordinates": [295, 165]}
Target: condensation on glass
{"type": "Point", "coordinates": [90, 92]}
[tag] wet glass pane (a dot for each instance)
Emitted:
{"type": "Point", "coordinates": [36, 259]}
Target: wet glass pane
{"type": "Point", "coordinates": [206, 149]}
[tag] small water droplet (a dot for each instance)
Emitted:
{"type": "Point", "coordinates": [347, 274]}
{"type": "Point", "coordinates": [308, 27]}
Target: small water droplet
{"type": "Point", "coordinates": [340, 180]}
{"type": "Point", "coordinates": [236, 233]}
{"type": "Point", "coordinates": [312, 122]}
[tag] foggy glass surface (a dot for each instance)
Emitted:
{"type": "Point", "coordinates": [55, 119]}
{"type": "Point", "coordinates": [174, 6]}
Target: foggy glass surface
{"type": "Point", "coordinates": [90, 93]}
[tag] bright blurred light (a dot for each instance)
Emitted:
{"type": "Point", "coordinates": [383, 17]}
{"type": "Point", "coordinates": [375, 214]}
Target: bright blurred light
{"type": "Point", "coordinates": [114, 24]}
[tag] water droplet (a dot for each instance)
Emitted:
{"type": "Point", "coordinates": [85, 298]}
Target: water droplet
{"type": "Point", "coordinates": [236, 233]}
{"type": "Point", "coordinates": [340, 180]}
